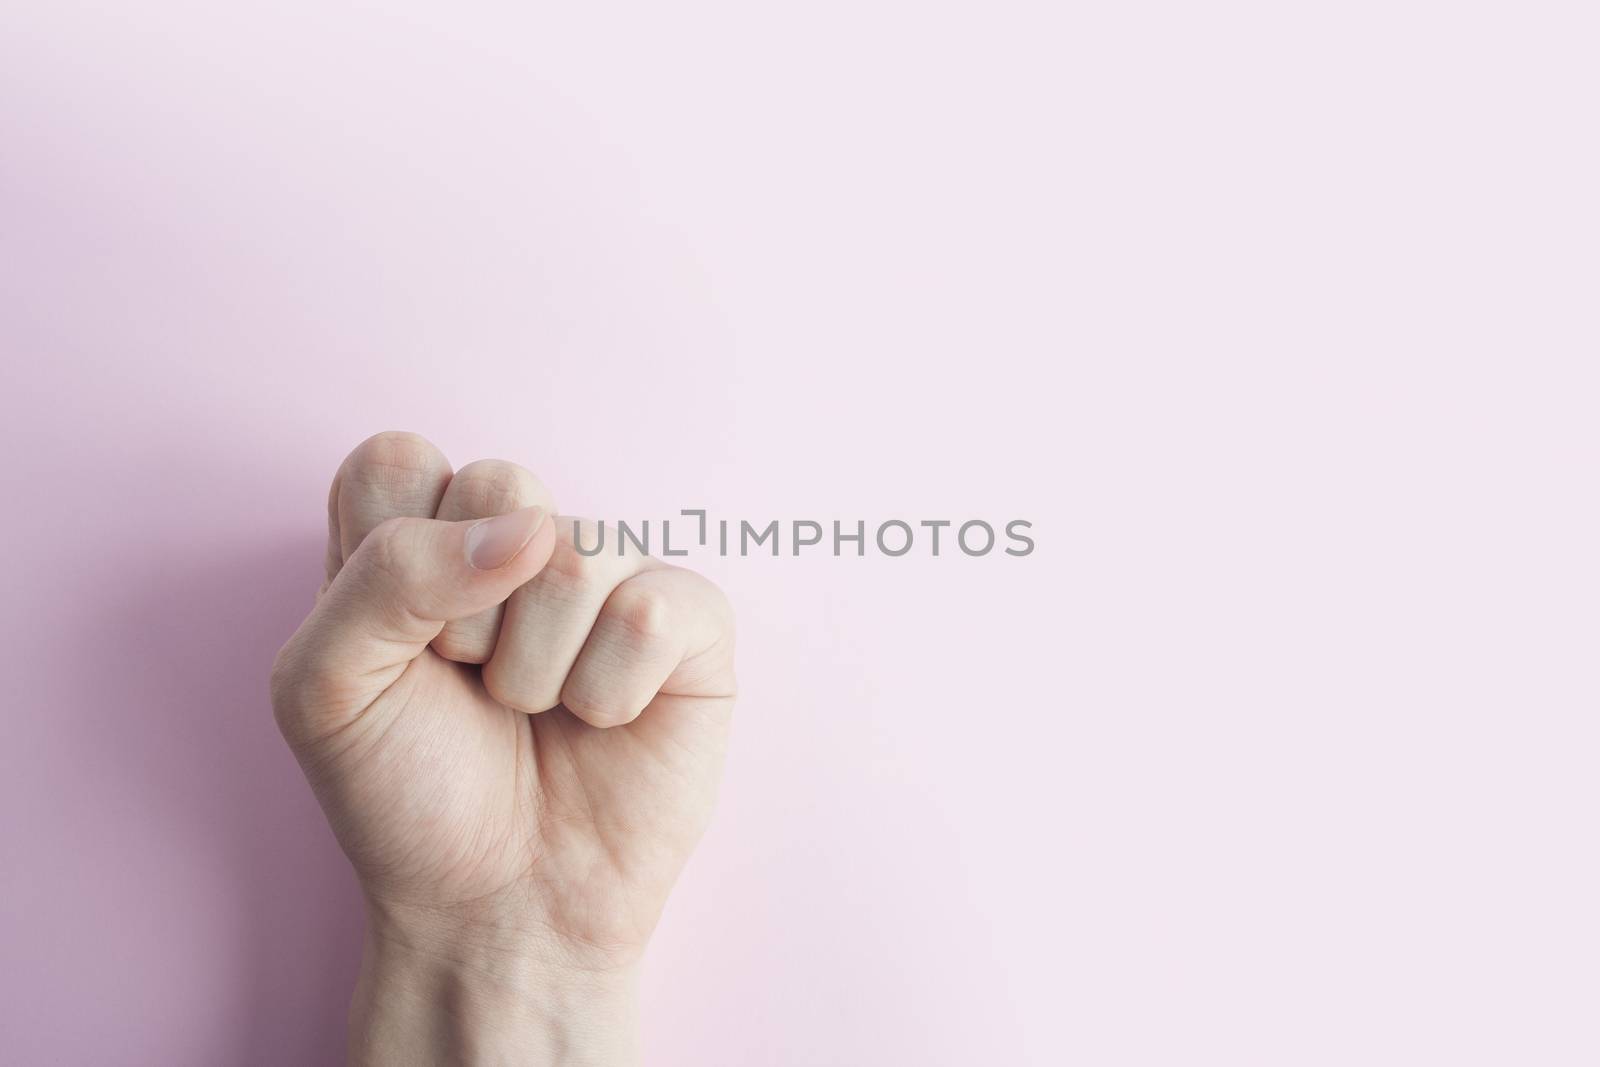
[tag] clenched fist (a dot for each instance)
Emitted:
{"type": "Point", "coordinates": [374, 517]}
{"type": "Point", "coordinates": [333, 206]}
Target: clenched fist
{"type": "Point", "coordinates": [517, 746]}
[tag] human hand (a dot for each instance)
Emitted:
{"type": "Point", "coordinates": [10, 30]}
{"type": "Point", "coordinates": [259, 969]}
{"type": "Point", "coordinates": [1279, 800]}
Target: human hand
{"type": "Point", "coordinates": [515, 826]}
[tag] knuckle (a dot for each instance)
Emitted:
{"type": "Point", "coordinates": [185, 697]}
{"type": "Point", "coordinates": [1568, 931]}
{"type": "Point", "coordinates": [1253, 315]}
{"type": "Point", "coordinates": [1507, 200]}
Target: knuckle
{"type": "Point", "coordinates": [386, 548]}
{"type": "Point", "coordinates": [516, 690]}
{"type": "Point", "coordinates": [394, 451]}
{"type": "Point", "coordinates": [391, 567]}
{"type": "Point", "coordinates": [573, 567]}
{"type": "Point", "coordinates": [493, 487]}
{"type": "Point", "coordinates": [497, 685]}
{"type": "Point", "coordinates": [461, 647]}
{"type": "Point", "coordinates": [591, 705]}
{"type": "Point", "coordinates": [642, 611]}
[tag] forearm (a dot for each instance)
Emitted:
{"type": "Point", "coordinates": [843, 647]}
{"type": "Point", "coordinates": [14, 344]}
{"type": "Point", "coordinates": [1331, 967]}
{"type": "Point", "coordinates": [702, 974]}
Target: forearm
{"type": "Point", "coordinates": [413, 1005]}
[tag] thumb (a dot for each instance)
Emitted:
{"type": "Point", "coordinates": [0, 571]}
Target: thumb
{"type": "Point", "coordinates": [393, 596]}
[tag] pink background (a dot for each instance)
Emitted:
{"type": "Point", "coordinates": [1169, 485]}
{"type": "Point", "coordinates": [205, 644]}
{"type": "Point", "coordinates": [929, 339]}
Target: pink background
{"type": "Point", "coordinates": [1278, 321]}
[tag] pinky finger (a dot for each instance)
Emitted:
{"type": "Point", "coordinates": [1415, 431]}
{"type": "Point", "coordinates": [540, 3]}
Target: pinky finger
{"type": "Point", "coordinates": [651, 626]}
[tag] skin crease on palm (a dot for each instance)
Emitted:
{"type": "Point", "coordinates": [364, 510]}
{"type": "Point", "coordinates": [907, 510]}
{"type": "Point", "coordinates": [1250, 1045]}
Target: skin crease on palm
{"type": "Point", "coordinates": [516, 745]}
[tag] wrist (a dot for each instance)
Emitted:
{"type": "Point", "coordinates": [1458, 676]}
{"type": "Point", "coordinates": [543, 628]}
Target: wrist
{"type": "Point", "coordinates": [430, 995]}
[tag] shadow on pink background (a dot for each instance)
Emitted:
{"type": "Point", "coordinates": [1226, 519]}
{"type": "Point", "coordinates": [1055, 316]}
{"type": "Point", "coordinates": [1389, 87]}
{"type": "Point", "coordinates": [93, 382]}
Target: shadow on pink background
{"type": "Point", "coordinates": [172, 894]}
{"type": "Point", "coordinates": [1277, 322]}
{"type": "Point", "coordinates": [189, 744]}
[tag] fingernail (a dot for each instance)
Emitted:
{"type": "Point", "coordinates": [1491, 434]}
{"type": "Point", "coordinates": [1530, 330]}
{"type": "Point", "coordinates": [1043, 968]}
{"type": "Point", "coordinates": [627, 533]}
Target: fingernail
{"type": "Point", "coordinates": [493, 543]}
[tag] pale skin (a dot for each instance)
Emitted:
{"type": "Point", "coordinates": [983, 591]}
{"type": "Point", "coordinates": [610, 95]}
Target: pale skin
{"type": "Point", "coordinates": [516, 745]}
